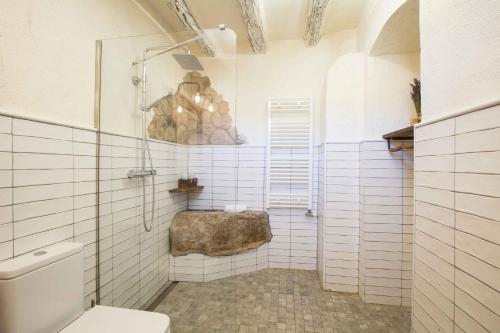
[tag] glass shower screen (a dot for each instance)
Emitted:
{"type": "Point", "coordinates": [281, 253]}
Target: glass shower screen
{"type": "Point", "coordinates": [183, 102]}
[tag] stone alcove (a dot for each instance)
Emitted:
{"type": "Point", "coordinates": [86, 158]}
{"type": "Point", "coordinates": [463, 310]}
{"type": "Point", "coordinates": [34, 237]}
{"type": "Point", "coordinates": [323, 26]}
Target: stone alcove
{"type": "Point", "coordinates": [183, 118]}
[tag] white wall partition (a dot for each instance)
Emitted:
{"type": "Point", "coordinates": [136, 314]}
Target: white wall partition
{"type": "Point", "coordinates": [339, 216]}
{"type": "Point", "coordinates": [457, 244]}
{"type": "Point", "coordinates": [386, 230]}
{"type": "Point", "coordinates": [365, 220]}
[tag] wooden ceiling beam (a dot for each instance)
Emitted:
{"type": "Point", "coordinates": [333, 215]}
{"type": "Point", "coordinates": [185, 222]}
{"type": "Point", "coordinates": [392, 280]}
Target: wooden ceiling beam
{"type": "Point", "coordinates": [315, 15]}
{"type": "Point", "coordinates": [252, 20]}
{"type": "Point", "coordinates": [184, 14]}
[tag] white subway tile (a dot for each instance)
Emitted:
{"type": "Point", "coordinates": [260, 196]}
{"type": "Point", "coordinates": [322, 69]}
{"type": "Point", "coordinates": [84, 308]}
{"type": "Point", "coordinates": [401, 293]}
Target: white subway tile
{"type": "Point", "coordinates": [477, 247]}
{"type": "Point", "coordinates": [5, 124]}
{"type": "Point", "coordinates": [477, 311]}
{"type": "Point", "coordinates": [487, 296]}
{"type": "Point", "coordinates": [435, 130]}
{"type": "Point", "coordinates": [42, 161]}
{"type": "Point", "coordinates": [42, 192]}
{"type": "Point", "coordinates": [478, 205]}
{"type": "Point", "coordinates": [80, 148]}
{"type": "Point", "coordinates": [481, 270]}
{"type": "Point", "coordinates": [5, 214]}
{"type": "Point", "coordinates": [439, 146]}
{"type": "Point", "coordinates": [435, 279]}
{"type": "Point", "coordinates": [5, 160]}
{"type": "Point", "coordinates": [478, 120]}
{"type": "Point", "coordinates": [39, 208]}
{"type": "Point", "coordinates": [5, 196]}
{"type": "Point", "coordinates": [478, 184]}
{"type": "Point", "coordinates": [437, 197]}
{"type": "Point", "coordinates": [478, 226]}
{"type": "Point", "coordinates": [440, 180]}
{"type": "Point", "coordinates": [486, 140]}
{"type": "Point", "coordinates": [84, 136]}
{"type": "Point", "coordinates": [5, 178]}
{"type": "Point", "coordinates": [39, 177]}
{"type": "Point", "coordinates": [5, 142]}
{"type": "Point", "coordinates": [39, 240]}
{"type": "Point", "coordinates": [465, 323]}
{"type": "Point", "coordinates": [484, 162]}
{"type": "Point", "coordinates": [6, 232]}
{"type": "Point", "coordinates": [26, 144]}
{"type": "Point", "coordinates": [6, 250]}
{"type": "Point", "coordinates": [42, 223]}
{"type": "Point", "coordinates": [443, 163]}
{"type": "Point", "coordinates": [42, 130]}
{"type": "Point", "coordinates": [434, 229]}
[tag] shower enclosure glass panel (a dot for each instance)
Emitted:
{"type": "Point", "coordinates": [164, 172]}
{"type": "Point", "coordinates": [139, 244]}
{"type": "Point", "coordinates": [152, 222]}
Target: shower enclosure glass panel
{"type": "Point", "coordinates": [189, 103]}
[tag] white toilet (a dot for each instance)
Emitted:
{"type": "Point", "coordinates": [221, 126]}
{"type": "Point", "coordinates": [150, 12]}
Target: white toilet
{"type": "Point", "coordinates": [43, 293]}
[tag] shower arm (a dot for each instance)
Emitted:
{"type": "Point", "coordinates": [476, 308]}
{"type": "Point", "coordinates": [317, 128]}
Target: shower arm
{"type": "Point", "coordinates": [165, 50]}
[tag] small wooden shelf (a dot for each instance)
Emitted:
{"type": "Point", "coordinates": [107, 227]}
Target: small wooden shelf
{"type": "Point", "coordinates": [194, 189]}
{"type": "Point", "coordinates": [402, 134]}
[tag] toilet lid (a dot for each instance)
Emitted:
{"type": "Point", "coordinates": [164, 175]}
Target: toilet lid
{"type": "Point", "coordinates": [105, 319]}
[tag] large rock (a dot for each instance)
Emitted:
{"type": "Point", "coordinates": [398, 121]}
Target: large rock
{"type": "Point", "coordinates": [216, 233]}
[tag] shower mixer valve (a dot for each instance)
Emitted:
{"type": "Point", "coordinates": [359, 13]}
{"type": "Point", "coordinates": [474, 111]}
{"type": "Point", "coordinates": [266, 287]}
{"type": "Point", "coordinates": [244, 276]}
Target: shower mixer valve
{"type": "Point", "coordinates": [141, 173]}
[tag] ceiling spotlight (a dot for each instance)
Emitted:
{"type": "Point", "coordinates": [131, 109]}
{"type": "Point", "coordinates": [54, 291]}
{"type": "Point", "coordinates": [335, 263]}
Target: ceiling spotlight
{"type": "Point", "coordinates": [211, 108]}
{"type": "Point", "coordinates": [179, 109]}
{"type": "Point", "coordinates": [197, 98]}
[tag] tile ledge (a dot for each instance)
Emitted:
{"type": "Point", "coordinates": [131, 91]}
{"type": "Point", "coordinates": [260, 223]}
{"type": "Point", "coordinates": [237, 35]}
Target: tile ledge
{"type": "Point", "coordinates": [460, 113]}
{"type": "Point", "coordinates": [45, 121]}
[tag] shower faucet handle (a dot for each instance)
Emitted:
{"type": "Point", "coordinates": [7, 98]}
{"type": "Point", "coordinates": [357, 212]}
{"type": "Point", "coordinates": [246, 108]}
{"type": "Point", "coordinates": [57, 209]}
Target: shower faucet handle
{"type": "Point", "coordinates": [141, 173]}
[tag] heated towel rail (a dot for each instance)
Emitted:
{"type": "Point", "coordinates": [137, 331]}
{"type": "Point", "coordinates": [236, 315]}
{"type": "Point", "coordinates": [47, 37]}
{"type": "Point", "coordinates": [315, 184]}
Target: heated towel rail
{"type": "Point", "coordinates": [289, 153]}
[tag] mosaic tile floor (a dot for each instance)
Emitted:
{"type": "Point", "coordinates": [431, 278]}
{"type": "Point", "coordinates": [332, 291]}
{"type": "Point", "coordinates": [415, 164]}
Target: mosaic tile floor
{"type": "Point", "coordinates": [275, 300]}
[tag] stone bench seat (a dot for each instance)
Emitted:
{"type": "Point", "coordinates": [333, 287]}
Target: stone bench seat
{"type": "Point", "coordinates": [217, 233]}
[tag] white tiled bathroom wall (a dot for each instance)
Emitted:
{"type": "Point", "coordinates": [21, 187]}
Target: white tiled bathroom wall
{"type": "Point", "coordinates": [457, 229]}
{"type": "Point", "coordinates": [386, 229]}
{"type": "Point", "coordinates": [341, 216]}
{"type": "Point", "coordinates": [236, 175]}
{"type": "Point", "coordinates": [365, 218]}
{"type": "Point", "coordinates": [48, 195]}
{"type": "Point", "coordinates": [47, 192]}
{"type": "Point", "coordinates": [135, 263]}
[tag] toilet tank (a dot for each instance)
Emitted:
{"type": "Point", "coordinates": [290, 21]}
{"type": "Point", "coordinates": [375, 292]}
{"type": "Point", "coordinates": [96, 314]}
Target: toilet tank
{"type": "Point", "coordinates": [42, 292]}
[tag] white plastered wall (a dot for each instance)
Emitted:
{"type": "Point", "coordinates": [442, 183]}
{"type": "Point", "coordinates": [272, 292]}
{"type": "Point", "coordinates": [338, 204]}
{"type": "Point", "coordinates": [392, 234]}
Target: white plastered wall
{"type": "Point", "coordinates": [460, 55]}
{"type": "Point", "coordinates": [344, 99]}
{"type": "Point", "coordinates": [288, 69]}
{"type": "Point", "coordinates": [367, 96]}
{"type": "Point", "coordinates": [47, 52]}
{"type": "Point", "coordinates": [388, 105]}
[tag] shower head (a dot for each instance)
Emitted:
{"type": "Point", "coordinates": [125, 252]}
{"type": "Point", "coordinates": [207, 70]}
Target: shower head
{"type": "Point", "coordinates": [188, 62]}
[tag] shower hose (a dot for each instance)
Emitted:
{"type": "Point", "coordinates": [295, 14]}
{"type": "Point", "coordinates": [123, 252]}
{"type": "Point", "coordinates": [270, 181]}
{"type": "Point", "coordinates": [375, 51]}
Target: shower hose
{"type": "Point", "coordinates": [146, 227]}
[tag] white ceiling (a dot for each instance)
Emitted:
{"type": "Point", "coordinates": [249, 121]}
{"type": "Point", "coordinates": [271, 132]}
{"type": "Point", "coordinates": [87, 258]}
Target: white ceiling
{"type": "Point", "coordinates": [285, 19]}
{"type": "Point", "coordinates": [342, 15]}
{"type": "Point", "coordinates": [282, 19]}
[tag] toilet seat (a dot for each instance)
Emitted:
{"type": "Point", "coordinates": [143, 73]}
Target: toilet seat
{"type": "Point", "coordinates": [105, 319]}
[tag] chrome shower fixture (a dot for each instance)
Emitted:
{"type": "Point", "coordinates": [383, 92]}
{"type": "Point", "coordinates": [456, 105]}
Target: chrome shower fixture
{"type": "Point", "coordinates": [165, 49]}
{"type": "Point", "coordinates": [144, 172]}
{"type": "Point", "coordinates": [188, 62]}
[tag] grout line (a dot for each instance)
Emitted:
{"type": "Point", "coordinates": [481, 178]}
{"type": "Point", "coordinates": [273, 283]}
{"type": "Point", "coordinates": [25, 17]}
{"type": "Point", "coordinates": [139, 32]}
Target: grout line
{"type": "Point", "coordinates": [12, 185]}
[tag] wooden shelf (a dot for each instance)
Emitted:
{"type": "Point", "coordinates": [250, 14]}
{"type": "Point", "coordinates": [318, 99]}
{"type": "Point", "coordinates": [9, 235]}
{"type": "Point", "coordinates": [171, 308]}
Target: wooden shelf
{"type": "Point", "coordinates": [196, 189]}
{"type": "Point", "coordinates": [402, 134]}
